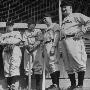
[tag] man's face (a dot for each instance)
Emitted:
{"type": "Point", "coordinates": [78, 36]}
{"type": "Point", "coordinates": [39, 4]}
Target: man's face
{"type": "Point", "coordinates": [66, 10]}
{"type": "Point", "coordinates": [47, 20]}
{"type": "Point", "coordinates": [9, 28]}
{"type": "Point", "coordinates": [31, 26]}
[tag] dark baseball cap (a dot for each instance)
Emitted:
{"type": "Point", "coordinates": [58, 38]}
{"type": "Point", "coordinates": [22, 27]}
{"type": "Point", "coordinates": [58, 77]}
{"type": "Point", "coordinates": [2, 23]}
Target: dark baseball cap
{"type": "Point", "coordinates": [66, 3]}
{"type": "Point", "coordinates": [47, 15]}
{"type": "Point", "coordinates": [9, 23]}
{"type": "Point", "coordinates": [30, 21]}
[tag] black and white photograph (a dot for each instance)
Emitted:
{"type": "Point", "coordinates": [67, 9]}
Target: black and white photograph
{"type": "Point", "coordinates": [44, 44]}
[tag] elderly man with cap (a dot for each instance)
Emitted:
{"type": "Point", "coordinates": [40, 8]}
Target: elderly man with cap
{"type": "Point", "coordinates": [32, 38]}
{"type": "Point", "coordinates": [74, 26]}
{"type": "Point", "coordinates": [51, 37]}
{"type": "Point", "coordinates": [11, 56]}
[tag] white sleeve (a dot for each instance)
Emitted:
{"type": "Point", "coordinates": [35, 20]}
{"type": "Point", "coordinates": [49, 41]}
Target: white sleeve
{"type": "Point", "coordinates": [85, 22]}
{"type": "Point", "coordinates": [14, 38]}
{"type": "Point", "coordinates": [86, 25]}
{"type": "Point", "coordinates": [36, 31]}
{"type": "Point", "coordinates": [3, 38]}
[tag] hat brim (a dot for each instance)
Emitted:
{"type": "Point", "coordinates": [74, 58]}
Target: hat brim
{"type": "Point", "coordinates": [63, 3]}
{"type": "Point", "coordinates": [47, 15]}
{"type": "Point", "coordinates": [30, 21]}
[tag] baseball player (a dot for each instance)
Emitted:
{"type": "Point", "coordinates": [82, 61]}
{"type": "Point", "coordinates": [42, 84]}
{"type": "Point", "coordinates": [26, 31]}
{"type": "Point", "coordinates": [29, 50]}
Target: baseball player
{"type": "Point", "coordinates": [32, 38]}
{"type": "Point", "coordinates": [74, 26]}
{"type": "Point", "coordinates": [11, 56]}
{"type": "Point", "coordinates": [51, 37]}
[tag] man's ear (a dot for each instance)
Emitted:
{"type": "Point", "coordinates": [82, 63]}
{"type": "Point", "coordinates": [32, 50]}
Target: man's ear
{"type": "Point", "coordinates": [70, 7]}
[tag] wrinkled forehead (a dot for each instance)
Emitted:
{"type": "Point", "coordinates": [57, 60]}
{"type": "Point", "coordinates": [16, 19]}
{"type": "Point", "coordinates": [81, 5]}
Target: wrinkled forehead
{"type": "Point", "coordinates": [67, 6]}
{"type": "Point", "coordinates": [45, 18]}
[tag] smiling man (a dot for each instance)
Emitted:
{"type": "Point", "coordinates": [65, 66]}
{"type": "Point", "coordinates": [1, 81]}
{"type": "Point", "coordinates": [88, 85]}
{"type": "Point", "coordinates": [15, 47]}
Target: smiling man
{"type": "Point", "coordinates": [74, 26]}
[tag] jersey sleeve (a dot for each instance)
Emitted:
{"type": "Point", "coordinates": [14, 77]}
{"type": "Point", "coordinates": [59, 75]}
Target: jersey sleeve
{"type": "Point", "coordinates": [18, 35]}
{"type": "Point", "coordinates": [14, 38]}
{"type": "Point", "coordinates": [56, 27]}
{"type": "Point", "coordinates": [84, 22]}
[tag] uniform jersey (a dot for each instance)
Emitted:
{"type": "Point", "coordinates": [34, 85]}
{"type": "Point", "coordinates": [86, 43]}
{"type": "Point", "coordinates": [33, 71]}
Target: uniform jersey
{"type": "Point", "coordinates": [31, 39]}
{"type": "Point", "coordinates": [74, 53]}
{"type": "Point", "coordinates": [50, 32]}
{"type": "Point", "coordinates": [11, 38]}
{"type": "Point", "coordinates": [73, 23]}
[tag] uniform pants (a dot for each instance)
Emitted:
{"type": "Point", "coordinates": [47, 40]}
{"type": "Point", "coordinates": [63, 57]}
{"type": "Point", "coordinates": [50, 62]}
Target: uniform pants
{"type": "Point", "coordinates": [52, 61]}
{"type": "Point", "coordinates": [74, 55]}
{"type": "Point", "coordinates": [36, 63]}
{"type": "Point", "coordinates": [12, 63]}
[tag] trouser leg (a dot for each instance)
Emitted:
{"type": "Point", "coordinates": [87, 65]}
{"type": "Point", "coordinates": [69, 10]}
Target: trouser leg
{"type": "Point", "coordinates": [38, 80]}
{"type": "Point", "coordinates": [15, 83]}
{"type": "Point", "coordinates": [9, 79]}
{"type": "Point", "coordinates": [81, 78]}
{"type": "Point", "coordinates": [55, 81]}
{"type": "Point", "coordinates": [26, 81]}
{"type": "Point", "coordinates": [72, 79]}
{"type": "Point", "coordinates": [55, 77]}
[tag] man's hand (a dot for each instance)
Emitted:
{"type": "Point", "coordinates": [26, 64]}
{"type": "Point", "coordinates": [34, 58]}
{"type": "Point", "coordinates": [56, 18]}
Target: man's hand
{"type": "Point", "coordinates": [52, 51]}
{"type": "Point", "coordinates": [62, 35]}
{"type": "Point", "coordinates": [78, 35]}
{"type": "Point", "coordinates": [40, 37]}
{"type": "Point", "coordinates": [36, 44]}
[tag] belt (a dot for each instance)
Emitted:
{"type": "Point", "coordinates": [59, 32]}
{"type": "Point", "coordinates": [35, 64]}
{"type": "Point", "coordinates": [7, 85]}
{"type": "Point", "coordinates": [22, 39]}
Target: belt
{"type": "Point", "coordinates": [52, 40]}
{"type": "Point", "coordinates": [67, 36]}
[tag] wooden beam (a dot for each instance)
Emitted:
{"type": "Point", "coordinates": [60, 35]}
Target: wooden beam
{"type": "Point", "coordinates": [22, 25]}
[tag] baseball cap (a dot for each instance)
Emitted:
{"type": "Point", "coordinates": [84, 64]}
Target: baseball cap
{"type": "Point", "coordinates": [31, 21]}
{"type": "Point", "coordinates": [66, 3]}
{"type": "Point", "coordinates": [9, 23]}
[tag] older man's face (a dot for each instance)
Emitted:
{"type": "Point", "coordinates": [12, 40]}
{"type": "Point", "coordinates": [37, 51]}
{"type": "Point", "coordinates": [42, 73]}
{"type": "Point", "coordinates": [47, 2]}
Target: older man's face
{"type": "Point", "coordinates": [66, 10]}
{"type": "Point", "coordinates": [47, 20]}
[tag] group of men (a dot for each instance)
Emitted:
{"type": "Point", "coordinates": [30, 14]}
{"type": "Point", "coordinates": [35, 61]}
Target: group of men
{"type": "Point", "coordinates": [42, 45]}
